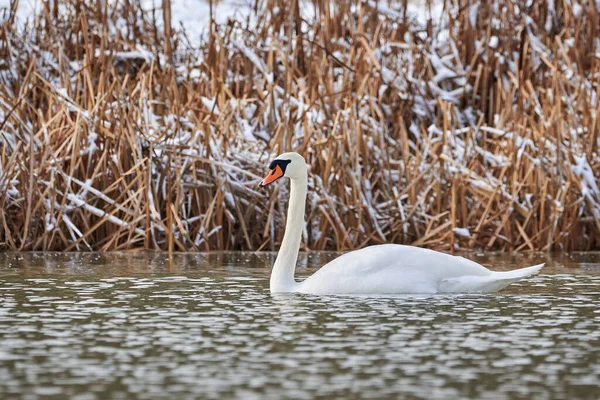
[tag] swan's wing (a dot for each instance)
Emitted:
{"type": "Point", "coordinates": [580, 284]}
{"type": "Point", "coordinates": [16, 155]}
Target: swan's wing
{"type": "Point", "coordinates": [389, 269]}
{"type": "Point", "coordinates": [403, 258]}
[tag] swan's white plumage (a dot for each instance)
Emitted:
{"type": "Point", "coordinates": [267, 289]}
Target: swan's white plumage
{"type": "Point", "coordinates": [405, 269]}
{"type": "Point", "coordinates": [383, 269]}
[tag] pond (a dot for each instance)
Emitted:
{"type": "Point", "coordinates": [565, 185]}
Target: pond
{"type": "Point", "coordinates": [149, 326]}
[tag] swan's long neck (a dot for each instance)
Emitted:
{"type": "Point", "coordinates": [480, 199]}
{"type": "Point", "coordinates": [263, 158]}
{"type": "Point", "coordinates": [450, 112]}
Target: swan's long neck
{"type": "Point", "coordinates": [282, 277]}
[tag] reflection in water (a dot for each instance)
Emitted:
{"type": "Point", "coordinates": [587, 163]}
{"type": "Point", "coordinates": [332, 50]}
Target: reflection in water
{"type": "Point", "coordinates": [99, 326]}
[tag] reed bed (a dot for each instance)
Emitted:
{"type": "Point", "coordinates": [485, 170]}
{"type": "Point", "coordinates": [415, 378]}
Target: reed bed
{"type": "Point", "coordinates": [475, 126]}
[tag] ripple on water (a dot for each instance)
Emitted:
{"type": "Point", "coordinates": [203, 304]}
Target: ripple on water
{"type": "Point", "coordinates": [219, 334]}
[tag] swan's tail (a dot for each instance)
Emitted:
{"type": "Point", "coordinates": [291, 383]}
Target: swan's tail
{"type": "Point", "coordinates": [519, 273]}
{"type": "Point", "coordinates": [487, 283]}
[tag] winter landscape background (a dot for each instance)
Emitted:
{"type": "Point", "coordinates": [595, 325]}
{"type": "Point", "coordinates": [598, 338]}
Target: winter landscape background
{"type": "Point", "coordinates": [446, 124]}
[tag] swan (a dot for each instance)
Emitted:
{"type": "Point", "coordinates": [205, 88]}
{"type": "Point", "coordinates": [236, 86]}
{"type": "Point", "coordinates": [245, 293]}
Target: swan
{"type": "Point", "coordinates": [379, 269]}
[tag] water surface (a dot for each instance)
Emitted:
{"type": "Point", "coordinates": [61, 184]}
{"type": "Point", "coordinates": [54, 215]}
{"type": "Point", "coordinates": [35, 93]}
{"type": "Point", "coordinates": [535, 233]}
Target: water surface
{"type": "Point", "coordinates": [149, 326]}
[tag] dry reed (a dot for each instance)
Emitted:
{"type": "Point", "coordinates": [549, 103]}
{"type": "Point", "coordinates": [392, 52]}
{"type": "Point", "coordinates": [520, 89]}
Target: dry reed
{"type": "Point", "coordinates": [477, 129]}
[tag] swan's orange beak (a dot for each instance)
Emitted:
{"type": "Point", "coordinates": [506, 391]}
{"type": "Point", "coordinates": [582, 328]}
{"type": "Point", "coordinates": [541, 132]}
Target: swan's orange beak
{"type": "Point", "coordinates": [275, 174]}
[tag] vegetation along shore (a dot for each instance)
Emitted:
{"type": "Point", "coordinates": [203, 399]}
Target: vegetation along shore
{"type": "Point", "coordinates": [452, 125]}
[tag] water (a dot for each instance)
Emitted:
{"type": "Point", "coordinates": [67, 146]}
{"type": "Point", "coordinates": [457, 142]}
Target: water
{"type": "Point", "coordinates": [126, 326]}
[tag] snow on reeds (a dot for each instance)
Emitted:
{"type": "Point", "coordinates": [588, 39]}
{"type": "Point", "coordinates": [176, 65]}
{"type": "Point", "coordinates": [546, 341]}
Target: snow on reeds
{"type": "Point", "coordinates": [476, 126]}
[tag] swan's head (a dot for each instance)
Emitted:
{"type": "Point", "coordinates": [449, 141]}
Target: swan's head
{"type": "Point", "coordinates": [290, 165]}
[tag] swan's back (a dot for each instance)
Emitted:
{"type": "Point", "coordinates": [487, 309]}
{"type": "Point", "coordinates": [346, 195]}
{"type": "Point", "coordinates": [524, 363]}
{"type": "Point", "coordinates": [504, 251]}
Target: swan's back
{"type": "Point", "coordinates": [397, 269]}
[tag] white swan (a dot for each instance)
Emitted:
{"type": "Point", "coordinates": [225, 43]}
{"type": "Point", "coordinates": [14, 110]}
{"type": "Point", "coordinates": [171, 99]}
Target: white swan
{"type": "Point", "coordinates": [383, 269]}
